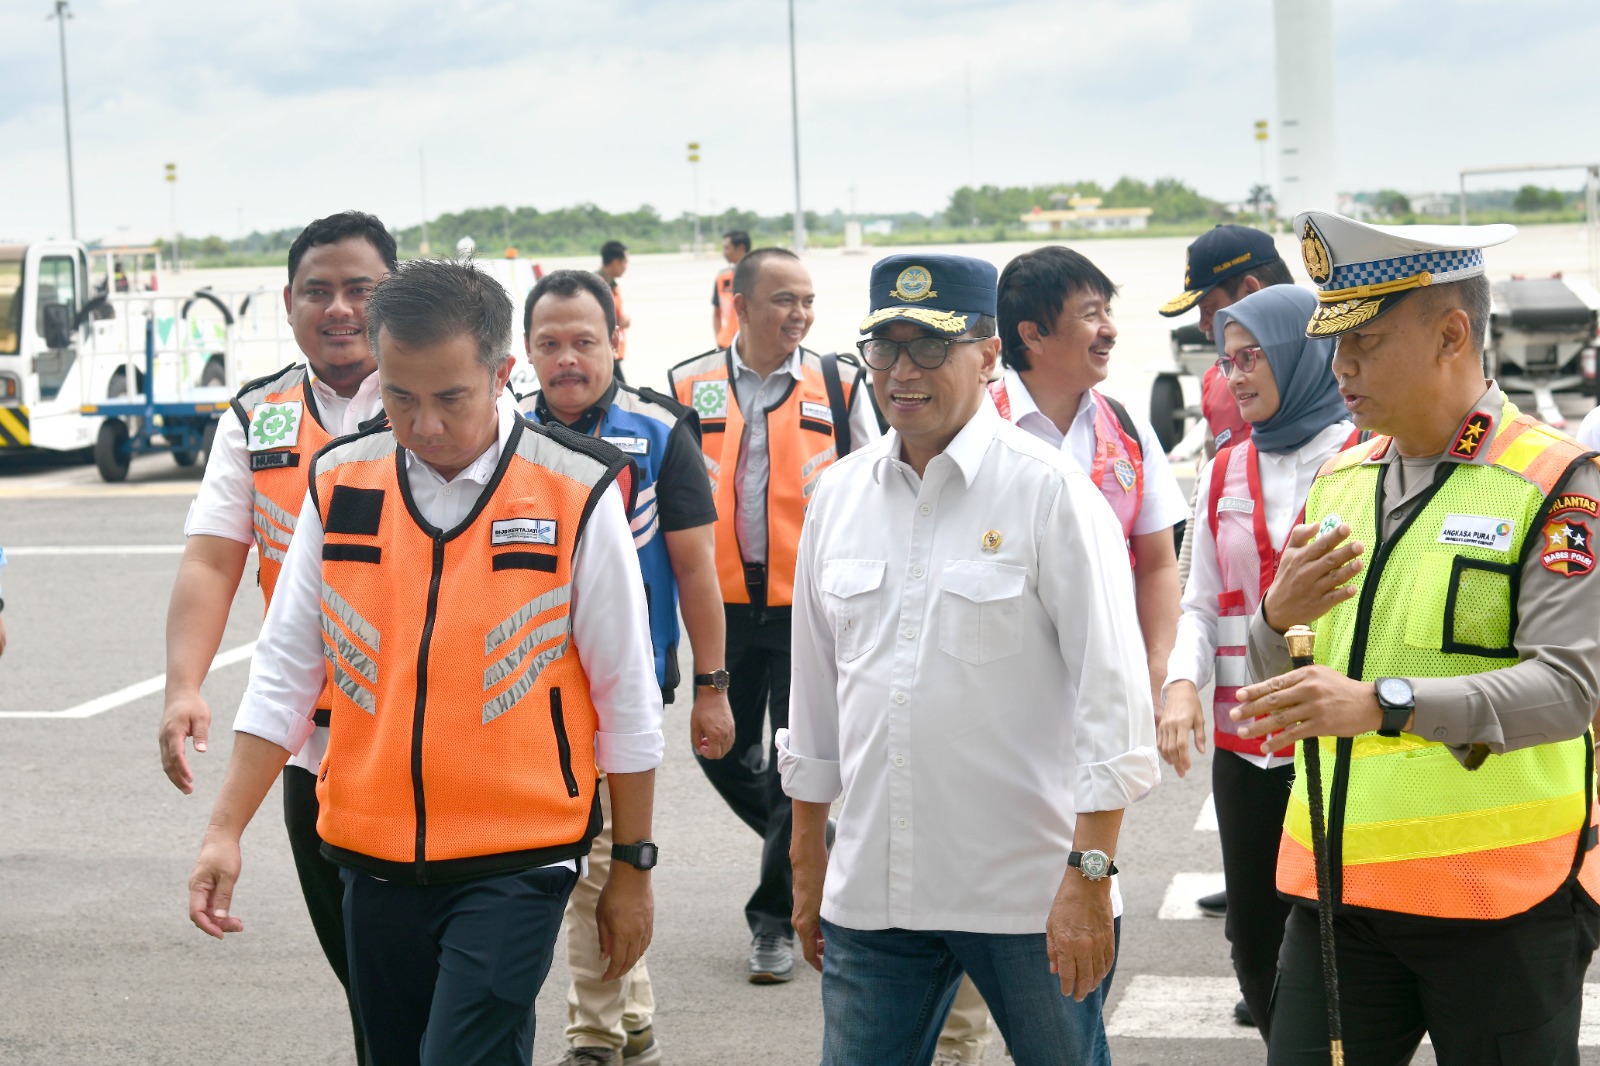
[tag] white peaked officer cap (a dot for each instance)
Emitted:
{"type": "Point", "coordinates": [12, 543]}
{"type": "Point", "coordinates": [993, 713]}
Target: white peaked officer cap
{"type": "Point", "coordinates": [1362, 271]}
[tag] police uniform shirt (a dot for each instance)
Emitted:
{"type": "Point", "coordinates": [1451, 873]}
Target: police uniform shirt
{"type": "Point", "coordinates": [1164, 504]}
{"type": "Point", "coordinates": [612, 637]}
{"type": "Point", "coordinates": [683, 490]}
{"type": "Point", "coordinates": [225, 505]}
{"type": "Point", "coordinates": [1285, 480]}
{"type": "Point", "coordinates": [754, 396]}
{"type": "Point", "coordinates": [968, 675]}
{"type": "Point", "coordinates": [1551, 694]}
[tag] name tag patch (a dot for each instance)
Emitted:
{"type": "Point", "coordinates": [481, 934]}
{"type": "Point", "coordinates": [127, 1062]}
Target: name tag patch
{"type": "Point", "coordinates": [522, 531]}
{"type": "Point", "coordinates": [1477, 531]}
{"type": "Point", "coordinates": [1236, 503]}
{"type": "Point", "coordinates": [274, 460]}
{"type": "Point", "coordinates": [629, 445]}
{"type": "Point", "coordinates": [275, 425]}
{"type": "Point", "coordinates": [820, 411]}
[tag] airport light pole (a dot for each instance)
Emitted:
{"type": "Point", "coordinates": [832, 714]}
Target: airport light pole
{"type": "Point", "coordinates": [694, 174]}
{"type": "Point", "coordinates": [61, 15]}
{"type": "Point", "coordinates": [794, 116]}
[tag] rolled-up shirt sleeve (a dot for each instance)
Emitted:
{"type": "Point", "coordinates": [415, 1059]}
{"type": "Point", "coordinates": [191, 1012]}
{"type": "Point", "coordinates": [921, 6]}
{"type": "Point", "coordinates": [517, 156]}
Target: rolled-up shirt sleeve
{"type": "Point", "coordinates": [1092, 606]}
{"type": "Point", "coordinates": [611, 631]}
{"type": "Point", "coordinates": [287, 673]}
{"type": "Point", "coordinates": [808, 751]}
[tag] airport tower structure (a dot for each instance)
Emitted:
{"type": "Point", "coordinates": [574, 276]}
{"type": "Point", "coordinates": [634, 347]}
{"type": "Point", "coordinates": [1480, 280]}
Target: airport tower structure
{"type": "Point", "coordinates": [1303, 47]}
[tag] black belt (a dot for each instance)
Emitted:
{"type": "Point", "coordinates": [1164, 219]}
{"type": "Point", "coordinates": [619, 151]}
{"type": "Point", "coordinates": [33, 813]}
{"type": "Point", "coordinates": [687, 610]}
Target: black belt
{"type": "Point", "coordinates": [322, 716]}
{"type": "Point", "coordinates": [755, 583]}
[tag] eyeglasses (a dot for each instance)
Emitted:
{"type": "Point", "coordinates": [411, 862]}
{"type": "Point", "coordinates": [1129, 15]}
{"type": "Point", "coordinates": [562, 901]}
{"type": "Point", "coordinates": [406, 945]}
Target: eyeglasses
{"type": "Point", "coordinates": [929, 353]}
{"type": "Point", "coordinates": [1245, 359]}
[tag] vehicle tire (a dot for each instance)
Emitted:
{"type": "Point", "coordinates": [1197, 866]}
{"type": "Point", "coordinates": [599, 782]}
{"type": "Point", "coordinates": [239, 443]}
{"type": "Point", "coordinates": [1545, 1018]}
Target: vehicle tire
{"type": "Point", "coordinates": [111, 451]}
{"type": "Point", "coordinates": [118, 386]}
{"type": "Point", "coordinates": [1166, 410]}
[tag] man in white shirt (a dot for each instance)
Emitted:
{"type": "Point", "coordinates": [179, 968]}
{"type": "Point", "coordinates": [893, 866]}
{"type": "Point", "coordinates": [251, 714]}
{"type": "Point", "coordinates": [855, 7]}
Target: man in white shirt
{"type": "Point", "coordinates": [333, 265]}
{"type": "Point", "coordinates": [933, 645]}
{"type": "Point", "coordinates": [418, 587]}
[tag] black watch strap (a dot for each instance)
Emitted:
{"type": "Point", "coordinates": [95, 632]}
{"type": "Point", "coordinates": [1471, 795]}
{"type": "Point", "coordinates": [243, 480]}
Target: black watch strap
{"type": "Point", "coordinates": [642, 855]}
{"type": "Point", "coordinates": [717, 679]}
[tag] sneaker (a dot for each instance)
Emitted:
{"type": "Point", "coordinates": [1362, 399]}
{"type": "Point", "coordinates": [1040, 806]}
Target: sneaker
{"type": "Point", "coordinates": [590, 1056]}
{"type": "Point", "coordinates": [1214, 905]}
{"type": "Point", "coordinates": [771, 959]}
{"type": "Point", "coordinates": [1241, 1014]}
{"type": "Point", "coordinates": [641, 1048]}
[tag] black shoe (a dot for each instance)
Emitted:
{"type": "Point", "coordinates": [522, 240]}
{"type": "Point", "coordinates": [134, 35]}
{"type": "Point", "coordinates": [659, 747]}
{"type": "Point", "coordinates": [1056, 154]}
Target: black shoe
{"type": "Point", "coordinates": [1214, 905]}
{"type": "Point", "coordinates": [1241, 1014]}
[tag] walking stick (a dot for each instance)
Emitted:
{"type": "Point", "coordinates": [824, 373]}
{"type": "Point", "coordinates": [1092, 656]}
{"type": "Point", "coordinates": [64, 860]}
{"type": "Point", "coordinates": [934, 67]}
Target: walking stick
{"type": "Point", "coordinates": [1301, 642]}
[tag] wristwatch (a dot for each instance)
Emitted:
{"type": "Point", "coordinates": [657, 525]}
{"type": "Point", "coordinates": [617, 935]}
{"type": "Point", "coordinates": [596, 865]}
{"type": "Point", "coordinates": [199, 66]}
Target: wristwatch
{"type": "Point", "coordinates": [1397, 702]}
{"type": "Point", "coordinates": [1094, 864]}
{"type": "Point", "coordinates": [717, 679]}
{"type": "Point", "coordinates": [643, 854]}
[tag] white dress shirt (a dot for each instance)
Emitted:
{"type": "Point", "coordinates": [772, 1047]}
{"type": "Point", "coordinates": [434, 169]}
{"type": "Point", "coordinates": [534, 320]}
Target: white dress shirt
{"type": "Point", "coordinates": [1164, 504]}
{"type": "Point", "coordinates": [225, 506]}
{"type": "Point", "coordinates": [753, 470]}
{"type": "Point", "coordinates": [1285, 482]}
{"type": "Point", "coordinates": [1588, 433]}
{"type": "Point", "coordinates": [965, 702]}
{"type": "Point", "coordinates": [612, 637]}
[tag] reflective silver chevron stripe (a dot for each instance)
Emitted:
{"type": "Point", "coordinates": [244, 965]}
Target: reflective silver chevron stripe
{"type": "Point", "coordinates": [713, 468]}
{"type": "Point", "coordinates": [283, 518]}
{"type": "Point", "coordinates": [816, 461]}
{"type": "Point", "coordinates": [351, 654]}
{"type": "Point", "coordinates": [268, 549]}
{"type": "Point", "coordinates": [347, 684]}
{"type": "Point", "coordinates": [503, 632]}
{"type": "Point", "coordinates": [363, 629]}
{"type": "Point", "coordinates": [508, 699]}
{"type": "Point", "coordinates": [506, 665]}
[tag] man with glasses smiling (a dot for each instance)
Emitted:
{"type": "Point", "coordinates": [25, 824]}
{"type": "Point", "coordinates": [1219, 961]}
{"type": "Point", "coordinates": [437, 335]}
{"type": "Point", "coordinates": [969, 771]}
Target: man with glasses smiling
{"type": "Point", "coordinates": [932, 644]}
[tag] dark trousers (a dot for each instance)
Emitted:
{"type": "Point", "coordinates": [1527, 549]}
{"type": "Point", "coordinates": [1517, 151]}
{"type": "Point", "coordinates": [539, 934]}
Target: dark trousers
{"type": "Point", "coordinates": [1250, 804]}
{"type": "Point", "coordinates": [446, 975]}
{"type": "Point", "coordinates": [319, 882]}
{"type": "Point", "coordinates": [1505, 993]}
{"type": "Point", "coordinates": [747, 777]}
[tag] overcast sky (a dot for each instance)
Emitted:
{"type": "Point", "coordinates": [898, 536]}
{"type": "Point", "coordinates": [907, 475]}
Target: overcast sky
{"type": "Point", "coordinates": [277, 111]}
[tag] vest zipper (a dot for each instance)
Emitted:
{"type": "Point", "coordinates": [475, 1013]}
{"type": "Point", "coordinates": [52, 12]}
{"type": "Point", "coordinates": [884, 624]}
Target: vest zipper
{"type": "Point", "coordinates": [420, 712]}
{"type": "Point", "coordinates": [563, 745]}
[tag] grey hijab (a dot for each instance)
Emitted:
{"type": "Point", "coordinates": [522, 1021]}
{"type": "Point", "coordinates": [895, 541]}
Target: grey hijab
{"type": "Point", "coordinates": [1308, 396]}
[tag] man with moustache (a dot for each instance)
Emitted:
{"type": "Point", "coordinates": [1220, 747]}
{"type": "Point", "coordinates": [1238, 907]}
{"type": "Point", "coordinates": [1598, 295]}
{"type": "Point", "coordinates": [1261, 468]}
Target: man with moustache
{"type": "Point", "coordinates": [569, 326]}
{"type": "Point", "coordinates": [963, 613]}
{"type": "Point", "coordinates": [773, 417]}
{"type": "Point", "coordinates": [255, 480]}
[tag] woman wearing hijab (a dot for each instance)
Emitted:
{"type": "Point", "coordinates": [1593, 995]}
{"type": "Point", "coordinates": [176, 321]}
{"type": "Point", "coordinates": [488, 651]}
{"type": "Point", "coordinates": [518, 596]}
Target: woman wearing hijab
{"type": "Point", "coordinates": [1250, 495]}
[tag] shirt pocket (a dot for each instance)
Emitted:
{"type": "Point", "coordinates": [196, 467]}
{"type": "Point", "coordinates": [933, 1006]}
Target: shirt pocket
{"type": "Point", "coordinates": [853, 602]}
{"type": "Point", "coordinates": [1462, 605]}
{"type": "Point", "coordinates": [980, 610]}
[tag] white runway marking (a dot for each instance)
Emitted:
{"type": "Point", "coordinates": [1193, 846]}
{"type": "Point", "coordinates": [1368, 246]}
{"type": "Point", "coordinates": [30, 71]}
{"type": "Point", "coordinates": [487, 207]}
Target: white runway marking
{"type": "Point", "coordinates": [122, 696]}
{"type": "Point", "coordinates": [96, 549]}
{"type": "Point", "coordinates": [1178, 904]}
{"type": "Point", "coordinates": [1201, 1008]}
{"type": "Point", "coordinates": [1207, 821]}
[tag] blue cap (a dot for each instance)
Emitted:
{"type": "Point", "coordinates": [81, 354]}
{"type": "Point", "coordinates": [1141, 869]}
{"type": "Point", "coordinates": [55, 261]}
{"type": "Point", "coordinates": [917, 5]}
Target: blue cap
{"type": "Point", "coordinates": [1221, 253]}
{"type": "Point", "coordinates": [942, 293]}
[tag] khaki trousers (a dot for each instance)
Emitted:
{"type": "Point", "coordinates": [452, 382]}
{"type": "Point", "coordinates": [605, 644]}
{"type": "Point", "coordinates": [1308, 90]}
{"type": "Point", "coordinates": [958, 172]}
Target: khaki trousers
{"type": "Point", "coordinates": [600, 1013]}
{"type": "Point", "coordinates": [966, 1030]}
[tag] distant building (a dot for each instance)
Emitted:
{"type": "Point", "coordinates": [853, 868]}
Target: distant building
{"type": "Point", "coordinates": [881, 227]}
{"type": "Point", "coordinates": [1360, 210]}
{"type": "Point", "coordinates": [1434, 203]}
{"type": "Point", "coordinates": [1086, 214]}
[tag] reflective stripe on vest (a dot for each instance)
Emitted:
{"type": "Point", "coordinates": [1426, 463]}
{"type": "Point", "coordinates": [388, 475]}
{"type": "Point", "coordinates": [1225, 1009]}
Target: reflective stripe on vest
{"type": "Point", "coordinates": [1117, 469]}
{"type": "Point", "coordinates": [800, 446]}
{"type": "Point", "coordinates": [1410, 830]}
{"type": "Point", "coordinates": [727, 320]}
{"type": "Point", "coordinates": [1247, 561]}
{"type": "Point", "coordinates": [462, 739]}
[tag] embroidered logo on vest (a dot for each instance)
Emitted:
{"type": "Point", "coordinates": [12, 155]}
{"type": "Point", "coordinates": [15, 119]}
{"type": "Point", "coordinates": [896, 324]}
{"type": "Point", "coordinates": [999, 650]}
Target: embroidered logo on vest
{"type": "Point", "coordinates": [275, 425]}
{"type": "Point", "coordinates": [710, 398]}
{"type": "Point", "coordinates": [1125, 474]}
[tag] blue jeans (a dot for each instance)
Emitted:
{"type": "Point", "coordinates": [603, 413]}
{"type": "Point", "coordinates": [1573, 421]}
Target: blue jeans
{"type": "Point", "coordinates": [885, 994]}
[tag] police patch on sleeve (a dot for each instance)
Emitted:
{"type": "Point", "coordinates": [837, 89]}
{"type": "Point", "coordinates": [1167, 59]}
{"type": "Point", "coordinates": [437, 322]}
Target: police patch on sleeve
{"type": "Point", "coordinates": [1567, 550]}
{"type": "Point", "coordinates": [1576, 501]}
{"type": "Point", "coordinates": [710, 399]}
{"type": "Point", "coordinates": [275, 425]}
{"type": "Point", "coordinates": [522, 531]}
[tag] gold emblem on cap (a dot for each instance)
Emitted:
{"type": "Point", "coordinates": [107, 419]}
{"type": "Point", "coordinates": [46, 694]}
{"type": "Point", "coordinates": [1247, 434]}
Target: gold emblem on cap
{"type": "Point", "coordinates": [991, 540]}
{"type": "Point", "coordinates": [1312, 249]}
{"type": "Point", "coordinates": [913, 284]}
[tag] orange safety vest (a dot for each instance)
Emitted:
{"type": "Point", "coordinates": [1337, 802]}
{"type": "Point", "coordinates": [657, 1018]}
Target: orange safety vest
{"type": "Point", "coordinates": [727, 320]}
{"type": "Point", "coordinates": [282, 431]}
{"type": "Point", "coordinates": [622, 334]}
{"type": "Point", "coordinates": [800, 446]}
{"type": "Point", "coordinates": [462, 740]}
